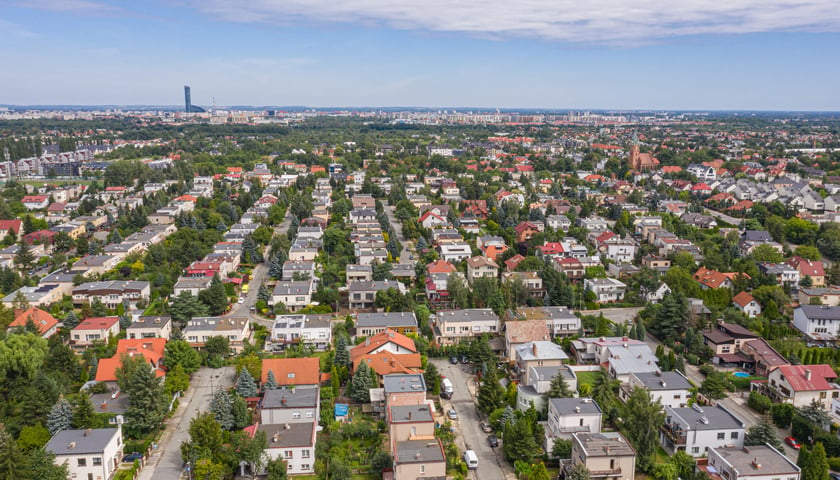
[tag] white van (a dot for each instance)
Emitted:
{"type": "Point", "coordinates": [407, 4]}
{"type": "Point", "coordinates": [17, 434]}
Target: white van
{"type": "Point", "coordinates": [471, 459]}
{"type": "Point", "coordinates": [447, 388]}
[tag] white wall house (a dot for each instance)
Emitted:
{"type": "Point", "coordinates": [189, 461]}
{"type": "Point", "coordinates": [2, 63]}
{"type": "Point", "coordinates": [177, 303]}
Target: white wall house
{"type": "Point", "coordinates": [453, 325]}
{"type": "Point", "coordinates": [758, 462]}
{"type": "Point", "coordinates": [88, 454]}
{"type": "Point", "coordinates": [697, 429]}
{"type": "Point", "coordinates": [605, 289]}
{"type": "Point", "coordinates": [571, 415]}
{"type": "Point", "coordinates": [670, 389]}
{"type": "Point", "coordinates": [817, 321]}
{"type": "Point", "coordinates": [290, 405]}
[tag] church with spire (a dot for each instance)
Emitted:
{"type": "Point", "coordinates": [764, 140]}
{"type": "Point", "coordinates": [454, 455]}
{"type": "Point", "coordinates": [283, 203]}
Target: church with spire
{"type": "Point", "coordinates": [638, 161]}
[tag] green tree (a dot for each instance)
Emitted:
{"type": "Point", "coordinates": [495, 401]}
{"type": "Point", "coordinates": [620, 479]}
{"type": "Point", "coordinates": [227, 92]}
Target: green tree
{"type": "Point", "coordinates": [716, 385]}
{"type": "Point", "coordinates": [177, 380]}
{"type": "Point", "coordinates": [562, 448]}
{"type": "Point", "coordinates": [217, 349]}
{"type": "Point", "coordinates": [32, 437]}
{"type": "Point", "coordinates": [361, 384]}
{"type": "Point", "coordinates": [380, 462]}
{"type": "Point", "coordinates": [83, 412]}
{"type": "Point", "coordinates": [14, 464]}
{"type": "Point", "coordinates": [245, 384]}
{"type": "Point", "coordinates": [270, 381]}
{"type": "Point", "coordinates": [559, 387]}
{"type": "Point", "coordinates": [205, 441]}
{"type": "Point", "coordinates": [250, 450]}
{"type": "Point", "coordinates": [43, 466]}
{"type": "Point", "coordinates": [214, 296]}
{"type": "Point", "coordinates": [185, 306]}
{"type": "Point", "coordinates": [147, 402]}
{"type": "Point", "coordinates": [432, 377]}
{"type": "Point", "coordinates": [60, 417]}
{"type": "Point", "coordinates": [24, 256]}
{"type": "Point", "coordinates": [579, 472]}
{"type": "Point", "coordinates": [642, 418]}
{"type": "Point", "coordinates": [342, 355]}
{"type": "Point", "coordinates": [491, 395]}
{"type": "Point", "coordinates": [206, 469]}
{"type": "Point", "coordinates": [761, 433]}
{"type": "Point", "coordinates": [179, 353]}
{"type": "Point", "coordinates": [276, 470]}
{"type": "Point", "coordinates": [22, 355]}
{"type": "Point", "coordinates": [222, 408]}
{"type": "Point", "coordinates": [519, 443]}
{"type": "Point", "coordinates": [816, 467]}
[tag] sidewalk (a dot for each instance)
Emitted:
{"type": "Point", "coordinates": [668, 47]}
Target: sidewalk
{"type": "Point", "coordinates": [172, 423]}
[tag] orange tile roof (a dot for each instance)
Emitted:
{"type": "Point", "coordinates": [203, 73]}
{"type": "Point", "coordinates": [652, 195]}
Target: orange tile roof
{"type": "Point", "coordinates": [743, 299]}
{"type": "Point", "coordinates": [380, 339]}
{"type": "Point", "coordinates": [151, 348]}
{"type": "Point", "coordinates": [97, 323]}
{"type": "Point", "coordinates": [43, 320]}
{"type": "Point", "coordinates": [292, 371]}
{"type": "Point", "coordinates": [386, 363]}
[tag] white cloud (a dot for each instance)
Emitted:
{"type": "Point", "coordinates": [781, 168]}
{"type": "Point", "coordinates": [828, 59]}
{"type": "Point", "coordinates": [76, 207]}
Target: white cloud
{"type": "Point", "coordinates": [76, 6]}
{"type": "Point", "coordinates": [615, 22]}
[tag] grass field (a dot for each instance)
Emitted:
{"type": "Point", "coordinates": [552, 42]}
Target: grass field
{"type": "Point", "coordinates": [586, 377]}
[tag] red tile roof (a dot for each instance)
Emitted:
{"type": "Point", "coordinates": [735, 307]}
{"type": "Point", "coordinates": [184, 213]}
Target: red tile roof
{"type": "Point", "coordinates": [13, 225]}
{"type": "Point", "coordinates": [43, 320]}
{"type": "Point", "coordinates": [97, 323]}
{"type": "Point", "coordinates": [387, 363]}
{"type": "Point", "coordinates": [796, 376]}
{"type": "Point", "coordinates": [34, 199]}
{"type": "Point", "coordinates": [743, 299]}
{"type": "Point", "coordinates": [380, 339]}
{"type": "Point", "coordinates": [292, 371]}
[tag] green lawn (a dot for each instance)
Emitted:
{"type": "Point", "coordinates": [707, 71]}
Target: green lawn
{"type": "Point", "coordinates": [586, 377]}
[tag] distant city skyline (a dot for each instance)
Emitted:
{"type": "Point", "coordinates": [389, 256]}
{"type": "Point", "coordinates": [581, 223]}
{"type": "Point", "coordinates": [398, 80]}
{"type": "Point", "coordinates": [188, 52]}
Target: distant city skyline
{"type": "Point", "coordinates": [606, 54]}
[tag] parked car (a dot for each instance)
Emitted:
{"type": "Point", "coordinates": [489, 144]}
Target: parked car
{"type": "Point", "coordinates": [131, 457]}
{"type": "Point", "coordinates": [485, 427]}
{"type": "Point", "coordinates": [493, 441]}
{"type": "Point", "coordinates": [453, 360]}
{"type": "Point", "coordinates": [241, 300]}
{"type": "Point", "coordinates": [793, 443]}
{"type": "Point", "coordinates": [452, 414]}
{"type": "Point", "coordinates": [834, 476]}
{"type": "Point", "coordinates": [464, 358]}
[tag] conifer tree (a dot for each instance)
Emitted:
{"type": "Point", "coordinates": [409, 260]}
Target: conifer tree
{"type": "Point", "coordinates": [60, 417]}
{"type": "Point", "coordinates": [222, 408]}
{"type": "Point", "coordinates": [270, 382]}
{"type": "Point", "coordinates": [559, 387]}
{"type": "Point", "coordinates": [245, 384]}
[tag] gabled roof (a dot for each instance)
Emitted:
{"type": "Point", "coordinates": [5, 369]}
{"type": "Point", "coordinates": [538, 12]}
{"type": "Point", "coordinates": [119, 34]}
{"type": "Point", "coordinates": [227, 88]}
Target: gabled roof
{"type": "Point", "coordinates": [743, 299]}
{"type": "Point", "coordinates": [380, 339]}
{"type": "Point", "coordinates": [807, 267]}
{"type": "Point", "coordinates": [522, 331]}
{"type": "Point", "coordinates": [821, 377]}
{"type": "Point", "coordinates": [387, 363]}
{"type": "Point", "coordinates": [292, 371]}
{"type": "Point", "coordinates": [97, 323]}
{"type": "Point", "coordinates": [43, 320]}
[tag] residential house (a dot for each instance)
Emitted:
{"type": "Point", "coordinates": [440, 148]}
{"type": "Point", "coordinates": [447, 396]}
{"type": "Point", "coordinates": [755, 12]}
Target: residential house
{"type": "Point", "coordinates": [112, 293]}
{"type": "Point", "coordinates": [369, 324]}
{"type": "Point", "coordinates": [607, 456]}
{"type": "Point", "coordinates": [746, 304]}
{"type": "Point", "coordinates": [518, 333]}
{"type": "Point", "coordinates": [660, 264]}
{"type": "Point", "coordinates": [567, 416]}
{"type": "Point", "coordinates": [530, 280]}
{"type": "Point", "coordinates": [157, 326]}
{"type": "Point", "coordinates": [193, 285]}
{"type": "Point", "coordinates": [699, 220]}
{"type": "Point", "coordinates": [481, 267]}
{"type": "Point", "coordinates": [423, 458]}
{"type": "Point", "coordinates": [88, 454]}
{"type": "Point", "coordinates": [668, 388]}
{"type": "Point", "coordinates": [311, 330]}
{"type": "Point", "coordinates": [657, 295]}
{"type": "Point", "coordinates": [40, 296]}
{"type": "Point", "coordinates": [800, 385]}
{"type": "Point", "coordinates": [764, 358]}
{"type": "Point", "coordinates": [539, 383]}
{"type": "Point", "coordinates": [362, 295]}
{"type": "Point", "coordinates": [753, 238]}
{"type": "Point", "coordinates": [450, 326]}
{"type": "Point", "coordinates": [35, 202]}
{"type": "Point", "coordinates": [593, 224]}
{"type": "Point", "coordinates": [410, 422]}
{"type": "Point", "coordinates": [819, 323]}
{"type": "Point", "coordinates": [829, 296]}
{"type": "Point", "coordinates": [756, 462]}
{"type": "Point", "coordinates": [714, 279]}
{"type": "Point", "coordinates": [561, 322]}
{"type": "Point", "coordinates": [93, 330]}
{"type": "Point", "coordinates": [540, 353]}
{"type": "Point", "coordinates": [290, 404]}
{"type": "Point", "coordinates": [404, 389]}
{"type": "Point", "coordinates": [695, 430]}
{"type": "Point", "coordinates": [294, 295]}
{"type": "Point", "coordinates": [558, 222]}
{"type": "Point", "coordinates": [151, 349]}
{"type": "Point", "coordinates": [526, 230]}
{"type": "Point", "coordinates": [455, 252]}
{"type": "Point", "coordinates": [358, 273]}
{"type": "Point", "coordinates": [572, 267]}
{"type": "Point", "coordinates": [294, 443]}
{"type": "Point", "coordinates": [292, 371]}
{"type": "Point", "coordinates": [807, 268]}
{"type": "Point", "coordinates": [605, 289]}
{"type": "Point", "coordinates": [46, 324]}
{"type": "Point", "coordinates": [726, 339]}
{"type": "Point", "coordinates": [95, 264]}
{"type": "Point", "coordinates": [782, 273]}
{"type": "Point", "coordinates": [236, 329]}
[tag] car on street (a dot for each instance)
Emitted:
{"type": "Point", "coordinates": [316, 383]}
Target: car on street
{"type": "Point", "coordinates": [793, 443]}
{"type": "Point", "coordinates": [132, 457]}
{"type": "Point", "coordinates": [453, 360]}
{"type": "Point", "coordinates": [834, 476]}
{"type": "Point", "coordinates": [493, 441]}
{"type": "Point", "coordinates": [464, 358]}
{"type": "Point", "coordinates": [452, 414]}
{"type": "Point", "coordinates": [485, 427]}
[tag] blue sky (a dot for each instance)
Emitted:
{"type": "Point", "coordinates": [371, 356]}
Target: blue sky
{"type": "Point", "coordinates": [599, 54]}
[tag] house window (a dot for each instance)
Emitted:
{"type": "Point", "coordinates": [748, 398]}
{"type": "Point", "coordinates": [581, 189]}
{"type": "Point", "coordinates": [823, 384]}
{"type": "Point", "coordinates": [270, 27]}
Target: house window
{"type": "Point", "coordinates": [304, 466]}
{"type": "Point", "coordinates": [295, 414]}
{"type": "Point", "coordinates": [422, 469]}
{"type": "Point", "coordinates": [82, 462]}
{"type": "Point", "coordinates": [97, 461]}
{"type": "Point", "coordinates": [291, 375]}
{"type": "Point", "coordinates": [305, 454]}
{"type": "Point", "coordinates": [721, 435]}
{"type": "Point", "coordinates": [695, 449]}
{"type": "Point", "coordinates": [734, 435]}
{"type": "Point", "coordinates": [309, 414]}
{"type": "Point", "coordinates": [288, 454]}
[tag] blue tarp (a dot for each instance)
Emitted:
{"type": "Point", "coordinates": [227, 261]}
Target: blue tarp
{"type": "Point", "coordinates": [341, 409]}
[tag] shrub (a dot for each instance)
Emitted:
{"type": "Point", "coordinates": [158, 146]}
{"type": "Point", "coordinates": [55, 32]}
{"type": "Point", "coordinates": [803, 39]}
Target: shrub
{"type": "Point", "coordinates": [760, 403]}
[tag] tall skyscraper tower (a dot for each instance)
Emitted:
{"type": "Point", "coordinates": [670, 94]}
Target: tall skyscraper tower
{"type": "Point", "coordinates": [187, 101]}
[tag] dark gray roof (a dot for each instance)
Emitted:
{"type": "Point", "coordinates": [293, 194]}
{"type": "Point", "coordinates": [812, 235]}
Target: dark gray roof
{"type": "Point", "coordinates": [822, 312]}
{"type": "Point", "coordinates": [288, 434]}
{"type": "Point", "coordinates": [155, 321]}
{"type": "Point", "coordinates": [404, 382]}
{"type": "Point", "coordinates": [105, 403]}
{"type": "Point", "coordinates": [663, 381]}
{"type": "Point", "coordinates": [769, 460]}
{"type": "Point", "coordinates": [73, 442]}
{"type": "Point", "coordinates": [546, 374]}
{"type": "Point", "coordinates": [568, 406]}
{"type": "Point", "coordinates": [757, 236]}
{"type": "Point", "coordinates": [418, 451]}
{"type": "Point", "coordinates": [389, 319]}
{"type": "Point", "coordinates": [411, 413]}
{"type": "Point", "coordinates": [467, 315]}
{"type": "Point", "coordinates": [706, 418]}
{"type": "Point", "coordinates": [299, 397]}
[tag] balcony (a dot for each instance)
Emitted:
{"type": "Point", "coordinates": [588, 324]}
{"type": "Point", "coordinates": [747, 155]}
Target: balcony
{"type": "Point", "coordinates": [673, 436]}
{"type": "Point", "coordinates": [615, 472]}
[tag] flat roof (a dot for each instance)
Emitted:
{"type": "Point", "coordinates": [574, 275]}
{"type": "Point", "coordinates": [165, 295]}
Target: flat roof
{"type": "Point", "coordinates": [604, 444]}
{"type": "Point", "coordinates": [757, 460]}
{"type": "Point", "coordinates": [303, 396]}
{"type": "Point", "coordinates": [404, 382]}
{"type": "Point", "coordinates": [411, 413]}
{"type": "Point", "coordinates": [418, 451]}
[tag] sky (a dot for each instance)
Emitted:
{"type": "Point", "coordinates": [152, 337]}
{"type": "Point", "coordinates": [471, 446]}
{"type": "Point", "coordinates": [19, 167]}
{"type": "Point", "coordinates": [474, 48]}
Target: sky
{"type": "Point", "coordinates": [563, 54]}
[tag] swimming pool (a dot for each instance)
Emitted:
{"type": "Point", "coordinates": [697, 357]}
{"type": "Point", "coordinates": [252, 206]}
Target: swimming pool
{"type": "Point", "coordinates": [741, 374]}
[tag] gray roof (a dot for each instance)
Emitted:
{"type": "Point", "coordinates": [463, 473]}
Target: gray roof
{"type": "Point", "coordinates": [288, 434]}
{"type": "Point", "coordinates": [157, 321]}
{"type": "Point", "coordinates": [59, 277]}
{"type": "Point", "coordinates": [74, 442]}
{"type": "Point", "coordinates": [411, 413]}
{"type": "Point", "coordinates": [418, 451]}
{"type": "Point", "coordinates": [821, 312]}
{"type": "Point", "coordinates": [302, 321]}
{"type": "Point", "coordinates": [374, 285]}
{"type": "Point", "coordinates": [106, 403]}
{"type": "Point", "coordinates": [467, 315]}
{"type": "Point", "coordinates": [568, 406]}
{"type": "Point", "coordinates": [769, 460]}
{"type": "Point", "coordinates": [663, 381]}
{"type": "Point", "coordinates": [293, 288]}
{"type": "Point", "coordinates": [299, 397]}
{"type": "Point", "coordinates": [604, 444]}
{"type": "Point", "coordinates": [387, 319]}
{"type": "Point", "coordinates": [404, 382]}
{"type": "Point", "coordinates": [706, 418]}
{"type": "Point", "coordinates": [540, 350]}
{"type": "Point", "coordinates": [757, 236]}
{"type": "Point", "coordinates": [546, 374]}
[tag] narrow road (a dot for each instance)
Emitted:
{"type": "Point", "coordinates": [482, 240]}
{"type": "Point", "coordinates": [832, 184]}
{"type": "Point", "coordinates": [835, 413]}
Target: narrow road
{"type": "Point", "coordinates": [166, 461]}
{"type": "Point", "coordinates": [471, 437]}
{"type": "Point", "coordinates": [406, 253]}
{"type": "Point", "coordinates": [722, 216]}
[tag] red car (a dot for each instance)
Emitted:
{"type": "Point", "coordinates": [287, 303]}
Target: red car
{"type": "Point", "coordinates": [793, 443]}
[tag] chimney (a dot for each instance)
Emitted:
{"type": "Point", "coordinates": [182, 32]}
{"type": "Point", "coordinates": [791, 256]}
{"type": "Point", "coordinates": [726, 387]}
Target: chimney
{"type": "Point", "coordinates": [534, 348]}
{"type": "Point", "coordinates": [808, 374]}
{"type": "Point", "coordinates": [87, 432]}
{"type": "Point", "coordinates": [72, 445]}
{"type": "Point", "coordinates": [283, 400]}
{"type": "Point", "coordinates": [755, 464]}
{"type": "Point", "coordinates": [409, 415]}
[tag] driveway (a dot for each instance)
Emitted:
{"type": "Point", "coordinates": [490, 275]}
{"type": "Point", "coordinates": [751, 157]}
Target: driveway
{"type": "Point", "coordinates": [165, 461]}
{"type": "Point", "coordinates": [471, 437]}
{"type": "Point", "coordinates": [406, 253]}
